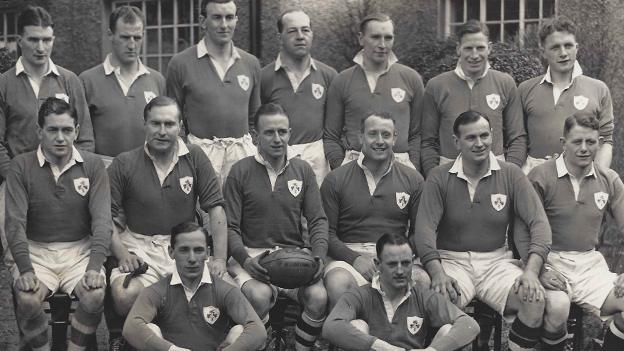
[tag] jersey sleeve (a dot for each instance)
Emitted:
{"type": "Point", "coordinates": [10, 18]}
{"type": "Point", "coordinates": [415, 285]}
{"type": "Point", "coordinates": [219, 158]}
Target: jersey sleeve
{"type": "Point", "coordinates": [430, 211]}
{"type": "Point", "coordinates": [100, 210]}
{"type": "Point", "coordinates": [16, 211]}
{"type": "Point", "coordinates": [5, 159]}
{"type": "Point", "coordinates": [233, 194]}
{"type": "Point", "coordinates": [209, 190]}
{"type": "Point", "coordinates": [242, 313]}
{"type": "Point", "coordinates": [514, 133]}
{"type": "Point", "coordinates": [334, 122]}
{"type": "Point", "coordinates": [313, 212]}
{"type": "Point", "coordinates": [85, 140]}
{"type": "Point", "coordinates": [144, 311]}
{"type": "Point", "coordinates": [117, 179]}
{"type": "Point", "coordinates": [430, 125]}
{"type": "Point", "coordinates": [415, 128]}
{"type": "Point", "coordinates": [338, 329]}
{"type": "Point", "coordinates": [605, 117]}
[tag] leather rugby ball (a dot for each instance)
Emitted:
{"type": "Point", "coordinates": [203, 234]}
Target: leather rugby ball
{"type": "Point", "coordinates": [290, 268]}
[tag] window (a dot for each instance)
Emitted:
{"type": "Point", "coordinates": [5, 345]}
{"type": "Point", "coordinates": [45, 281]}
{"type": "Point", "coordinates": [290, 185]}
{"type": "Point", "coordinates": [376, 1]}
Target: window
{"type": "Point", "coordinates": [8, 31]}
{"type": "Point", "coordinates": [171, 26]}
{"type": "Point", "coordinates": [507, 20]}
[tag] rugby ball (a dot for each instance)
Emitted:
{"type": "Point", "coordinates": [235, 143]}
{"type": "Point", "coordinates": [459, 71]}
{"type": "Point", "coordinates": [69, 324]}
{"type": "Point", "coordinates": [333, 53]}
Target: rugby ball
{"type": "Point", "coordinates": [290, 268]}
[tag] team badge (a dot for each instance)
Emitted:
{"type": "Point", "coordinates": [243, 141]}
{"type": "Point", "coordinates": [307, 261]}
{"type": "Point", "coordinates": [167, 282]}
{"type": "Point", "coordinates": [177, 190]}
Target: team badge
{"type": "Point", "coordinates": [149, 95]}
{"type": "Point", "coordinates": [243, 81]}
{"type": "Point", "coordinates": [398, 94]}
{"type": "Point", "coordinates": [81, 185]}
{"type": "Point", "coordinates": [211, 314]}
{"type": "Point", "coordinates": [414, 324]}
{"type": "Point", "coordinates": [499, 201]}
{"type": "Point", "coordinates": [580, 102]}
{"type": "Point", "coordinates": [402, 199]}
{"type": "Point", "coordinates": [601, 199]}
{"type": "Point", "coordinates": [63, 97]}
{"type": "Point", "coordinates": [317, 90]}
{"type": "Point", "coordinates": [186, 183]}
{"type": "Point", "coordinates": [294, 186]}
{"type": "Point", "coordinates": [493, 100]}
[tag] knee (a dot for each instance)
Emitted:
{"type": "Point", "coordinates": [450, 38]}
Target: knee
{"type": "Point", "coordinates": [260, 296]}
{"type": "Point", "coordinates": [124, 297]}
{"type": "Point", "coordinates": [557, 307]}
{"type": "Point", "coordinates": [360, 325]}
{"type": "Point", "coordinates": [315, 300]}
{"type": "Point", "coordinates": [532, 312]}
{"type": "Point", "coordinates": [28, 303]}
{"type": "Point", "coordinates": [154, 329]}
{"type": "Point", "coordinates": [338, 281]}
{"type": "Point", "coordinates": [92, 300]}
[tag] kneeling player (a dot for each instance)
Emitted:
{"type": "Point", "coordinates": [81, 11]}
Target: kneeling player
{"type": "Point", "coordinates": [576, 193]}
{"type": "Point", "coordinates": [58, 227]}
{"type": "Point", "coordinates": [192, 308]}
{"type": "Point", "coordinates": [461, 230]}
{"type": "Point", "coordinates": [266, 195]}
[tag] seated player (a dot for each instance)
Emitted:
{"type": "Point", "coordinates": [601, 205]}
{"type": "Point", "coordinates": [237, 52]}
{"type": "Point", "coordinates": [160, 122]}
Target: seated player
{"type": "Point", "coordinates": [191, 309]}
{"type": "Point", "coordinates": [363, 199]}
{"type": "Point", "coordinates": [266, 196]}
{"type": "Point", "coordinates": [153, 188]}
{"type": "Point", "coordinates": [58, 227]}
{"type": "Point", "coordinates": [461, 233]}
{"type": "Point", "coordinates": [576, 193]}
{"type": "Point", "coordinates": [396, 314]}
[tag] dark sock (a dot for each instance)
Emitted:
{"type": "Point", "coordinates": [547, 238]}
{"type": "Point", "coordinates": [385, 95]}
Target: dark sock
{"type": "Point", "coordinates": [614, 338]}
{"type": "Point", "coordinates": [554, 341]}
{"type": "Point", "coordinates": [523, 337]}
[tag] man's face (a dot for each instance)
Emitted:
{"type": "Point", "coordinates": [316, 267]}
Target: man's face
{"type": "Point", "coordinates": [127, 41]}
{"type": "Point", "coordinates": [36, 45]}
{"type": "Point", "coordinates": [162, 128]}
{"type": "Point", "coordinates": [378, 138]}
{"type": "Point", "coordinates": [559, 49]}
{"type": "Point", "coordinates": [296, 34]}
{"type": "Point", "coordinates": [220, 22]}
{"type": "Point", "coordinates": [190, 253]}
{"type": "Point", "coordinates": [57, 136]}
{"type": "Point", "coordinates": [395, 266]}
{"type": "Point", "coordinates": [580, 146]}
{"type": "Point", "coordinates": [376, 41]}
{"type": "Point", "coordinates": [473, 52]}
{"type": "Point", "coordinates": [273, 135]}
{"type": "Point", "coordinates": [474, 141]}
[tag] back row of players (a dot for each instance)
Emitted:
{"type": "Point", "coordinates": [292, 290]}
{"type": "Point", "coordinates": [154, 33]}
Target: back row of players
{"type": "Point", "coordinates": [374, 113]}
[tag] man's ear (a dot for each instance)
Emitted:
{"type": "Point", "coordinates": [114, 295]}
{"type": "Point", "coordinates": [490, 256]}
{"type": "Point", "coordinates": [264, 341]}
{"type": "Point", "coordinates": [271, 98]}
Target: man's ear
{"type": "Point", "coordinates": [171, 252]}
{"type": "Point", "coordinates": [361, 38]}
{"type": "Point", "coordinates": [600, 141]}
{"type": "Point", "coordinates": [77, 130]}
{"type": "Point", "coordinates": [456, 141]}
{"type": "Point", "coordinates": [377, 262]}
{"type": "Point", "coordinates": [562, 141]}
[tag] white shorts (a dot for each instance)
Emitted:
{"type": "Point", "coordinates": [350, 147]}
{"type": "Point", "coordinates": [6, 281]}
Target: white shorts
{"type": "Point", "coordinates": [369, 250]}
{"type": "Point", "coordinates": [487, 275]}
{"type": "Point", "coordinates": [587, 275]}
{"type": "Point", "coordinates": [223, 153]}
{"type": "Point", "coordinates": [314, 154]}
{"type": "Point", "coordinates": [400, 157]}
{"type": "Point", "coordinates": [60, 265]}
{"type": "Point", "coordinates": [531, 163]}
{"type": "Point", "coordinates": [153, 250]}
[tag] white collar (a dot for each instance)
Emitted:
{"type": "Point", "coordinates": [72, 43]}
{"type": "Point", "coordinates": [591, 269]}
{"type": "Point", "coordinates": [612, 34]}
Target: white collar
{"type": "Point", "coordinates": [202, 50]}
{"type": "Point", "coordinates": [109, 68]}
{"type": "Point", "coordinates": [76, 157]}
{"type": "Point", "coordinates": [262, 161]}
{"type": "Point", "coordinates": [562, 170]}
{"type": "Point", "coordinates": [376, 284]}
{"type": "Point", "coordinates": [279, 64]}
{"type": "Point", "coordinates": [176, 280]}
{"type": "Point", "coordinates": [458, 167]}
{"type": "Point", "coordinates": [576, 71]}
{"type": "Point", "coordinates": [182, 149]}
{"type": "Point", "coordinates": [19, 67]}
{"type": "Point", "coordinates": [360, 162]}
{"type": "Point", "coordinates": [460, 72]}
{"type": "Point", "coordinates": [359, 59]}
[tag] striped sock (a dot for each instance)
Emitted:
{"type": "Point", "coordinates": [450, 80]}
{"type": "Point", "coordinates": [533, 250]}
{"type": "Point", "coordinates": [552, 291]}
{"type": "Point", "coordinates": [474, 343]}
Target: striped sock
{"type": "Point", "coordinates": [554, 341]}
{"type": "Point", "coordinates": [83, 326]}
{"type": "Point", "coordinates": [614, 338]}
{"type": "Point", "coordinates": [35, 331]}
{"type": "Point", "coordinates": [306, 332]}
{"type": "Point", "coordinates": [523, 337]}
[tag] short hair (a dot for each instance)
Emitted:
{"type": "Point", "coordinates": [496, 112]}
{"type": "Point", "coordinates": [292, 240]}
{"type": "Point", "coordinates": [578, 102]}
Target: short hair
{"type": "Point", "coordinates": [55, 106]}
{"type": "Point", "coordinates": [556, 24]}
{"type": "Point", "coordinates": [472, 26]}
{"type": "Point", "coordinates": [160, 101]}
{"type": "Point", "coordinates": [204, 4]}
{"type": "Point", "coordinates": [389, 239]}
{"type": "Point", "coordinates": [186, 227]}
{"type": "Point", "coordinates": [280, 19]}
{"type": "Point", "coordinates": [379, 17]}
{"type": "Point", "coordinates": [269, 109]}
{"type": "Point", "coordinates": [127, 14]}
{"type": "Point", "coordinates": [379, 114]}
{"type": "Point", "coordinates": [583, 121]}
{"type": "Point", "coordinates": [33, 16]}
{"type": "Point", "coordinates": [467, 117]}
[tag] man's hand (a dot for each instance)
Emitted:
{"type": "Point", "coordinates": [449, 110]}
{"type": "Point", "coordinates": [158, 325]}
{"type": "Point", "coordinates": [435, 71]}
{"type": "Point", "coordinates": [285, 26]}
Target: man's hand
{"type": "Point", "coordinates": [553, 280]}
{"type": "Point", "coordinates": [176, 348]}
{"type": "Point", "coordinates": [319, 272]}
{"type": "Point", "coordinates": [217, 267]}
{"type": "Point", "coordinates": [445, 285]}
{"type": "Point", "coordinates": [365, 266]}
{"type": "Point", "coordinates": [530, 285]}
{"type": "Point", "coordinates": [128, 262]}
{"type": "Point", "coordinates": [618, 289]}
{"type": "Point", "coordinates": [255, 270]}
{"type": "Point", "coordinates": [27, 282]}
{"type": "Point", "coordinates": [93, 280]}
